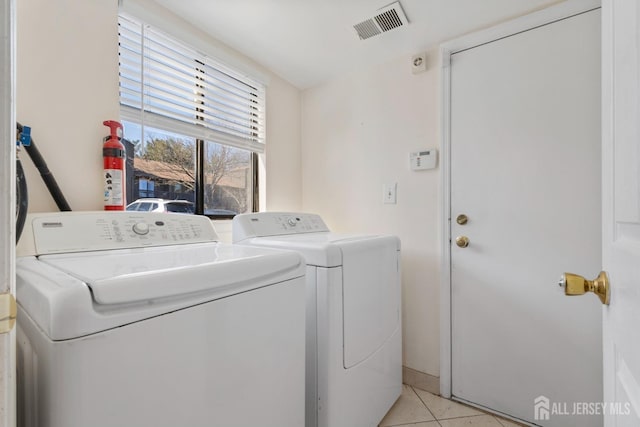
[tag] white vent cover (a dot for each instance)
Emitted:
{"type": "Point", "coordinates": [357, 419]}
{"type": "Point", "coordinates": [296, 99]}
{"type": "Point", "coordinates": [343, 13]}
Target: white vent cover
{"type": "Point", "coordinates": [385, 19]}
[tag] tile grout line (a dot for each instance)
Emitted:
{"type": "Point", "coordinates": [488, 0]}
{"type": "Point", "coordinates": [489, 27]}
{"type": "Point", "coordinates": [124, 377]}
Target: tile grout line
{"type": "Point", "coordinates": [425, 405]}
{"type": "Point", "coordinates": [469, 416]}
{"type": "Point", "coordinates": [414, 423]}
{"type": "Point", "coordinates": [500, 420]}
{"type": "Point", "coordinates": [452, 418]}
{"type": "Point", "coordinates": [418, 422]}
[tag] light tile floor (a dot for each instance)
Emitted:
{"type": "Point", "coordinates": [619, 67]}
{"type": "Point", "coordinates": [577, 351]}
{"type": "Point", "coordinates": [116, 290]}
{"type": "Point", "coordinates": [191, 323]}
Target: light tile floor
{"type": "Point", "coordinates": [417, 408]}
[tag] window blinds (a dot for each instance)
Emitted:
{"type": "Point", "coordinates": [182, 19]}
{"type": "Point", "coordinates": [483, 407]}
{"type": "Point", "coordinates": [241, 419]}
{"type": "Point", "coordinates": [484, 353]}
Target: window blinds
{"type": "Point", "coordinates": [167, 85]}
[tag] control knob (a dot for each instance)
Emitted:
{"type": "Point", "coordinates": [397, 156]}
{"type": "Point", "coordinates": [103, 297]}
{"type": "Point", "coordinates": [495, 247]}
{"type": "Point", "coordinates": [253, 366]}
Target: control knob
{"type": "Point", "coordinates": [141, 228]}
{"type": "Point", "coordinates": [292, 222]}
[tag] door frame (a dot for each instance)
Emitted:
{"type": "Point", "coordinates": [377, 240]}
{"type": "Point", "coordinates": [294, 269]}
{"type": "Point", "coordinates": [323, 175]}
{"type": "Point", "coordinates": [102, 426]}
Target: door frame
{"type": "Point", "coordinates": [7, 209]}
{"type": "Point", "coordinates": [536, 19]}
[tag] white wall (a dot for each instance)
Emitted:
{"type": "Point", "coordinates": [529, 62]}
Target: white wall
{"type": "Point", "coordinates": [357, 133]}
{"type": "Point", "coordinates": [283, 190]}
{"type": "Point", "coordinates": [67, 85]}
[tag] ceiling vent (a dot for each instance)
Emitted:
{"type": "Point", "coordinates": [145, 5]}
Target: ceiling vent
{"type": "Point", "coordinates": [385, 19]}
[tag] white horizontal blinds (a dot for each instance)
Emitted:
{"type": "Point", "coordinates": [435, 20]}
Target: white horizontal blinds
{"type": "Point", "coordinates": [130, 52]}
{"type": "Point", "coordinates": [168, 85]}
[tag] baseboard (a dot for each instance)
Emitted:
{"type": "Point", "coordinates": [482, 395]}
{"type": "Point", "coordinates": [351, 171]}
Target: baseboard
{"type": "Point", "coordinates": [421, 380]}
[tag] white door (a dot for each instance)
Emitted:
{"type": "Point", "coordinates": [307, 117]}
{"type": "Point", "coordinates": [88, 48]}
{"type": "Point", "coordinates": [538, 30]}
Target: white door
{"type": "Point", "coordinates": [621, 209]}
{"type": "Point", "coordinates": [7, 211]}
{"type": "Point", "coordinates": [525, 170]}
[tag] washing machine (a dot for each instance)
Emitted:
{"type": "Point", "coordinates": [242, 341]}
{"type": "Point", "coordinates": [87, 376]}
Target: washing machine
{"type": "Point", "coordinates": [145, 320]}
{"type": "Point", "coordinates": [354, 349]}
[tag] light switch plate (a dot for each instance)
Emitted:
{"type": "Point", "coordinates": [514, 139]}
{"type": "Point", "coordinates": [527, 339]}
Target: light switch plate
{"type": "Point", "coordinates": [389, 193]}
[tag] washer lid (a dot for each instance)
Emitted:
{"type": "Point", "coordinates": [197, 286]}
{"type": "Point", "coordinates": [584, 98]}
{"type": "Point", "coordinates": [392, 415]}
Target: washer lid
{"type": "Point", "coordinates": [131, 275]}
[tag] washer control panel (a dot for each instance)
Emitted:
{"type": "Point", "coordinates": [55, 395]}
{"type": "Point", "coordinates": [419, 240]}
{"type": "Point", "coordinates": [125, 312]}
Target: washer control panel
{"type": "Point", "coordinates": [66, 232]}
{"type": "Point", "coordinates": [264, 224]}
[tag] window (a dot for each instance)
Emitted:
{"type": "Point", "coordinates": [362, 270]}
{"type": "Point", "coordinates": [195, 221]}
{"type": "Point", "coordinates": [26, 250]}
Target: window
{"type": "Point", "coordinates": [145, 188]}
{"type": "Point", "coordinates": [196, 126]}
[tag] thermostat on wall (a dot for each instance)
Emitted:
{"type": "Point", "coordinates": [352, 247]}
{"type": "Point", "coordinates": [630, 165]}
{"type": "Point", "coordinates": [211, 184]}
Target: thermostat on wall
{"type": "Point", "coordinates": [421, 160]}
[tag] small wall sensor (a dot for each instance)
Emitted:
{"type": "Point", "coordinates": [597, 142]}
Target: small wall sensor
{"type": "Point", "coordinates": [419, 63]}
{"type": "Point", "coordinates": [423, 160]}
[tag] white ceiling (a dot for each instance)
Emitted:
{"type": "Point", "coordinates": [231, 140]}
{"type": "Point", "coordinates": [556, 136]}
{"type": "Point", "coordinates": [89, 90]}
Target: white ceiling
{"type": "Point", "coordinates": [307, 42]}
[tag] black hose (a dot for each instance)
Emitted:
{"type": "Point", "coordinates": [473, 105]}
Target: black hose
{"type": "Point", "coordinates": [46, 174]}
{"type": "Point", "coordinates": [22, 199]}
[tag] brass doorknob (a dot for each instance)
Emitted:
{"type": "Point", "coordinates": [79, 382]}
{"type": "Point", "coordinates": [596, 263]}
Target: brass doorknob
{"type": "Point", "coordinates": [462, 219]}
{"type": "Point", "coordinates": [462, 241]}
{"type": "Point", "coordinates": [574, 284]}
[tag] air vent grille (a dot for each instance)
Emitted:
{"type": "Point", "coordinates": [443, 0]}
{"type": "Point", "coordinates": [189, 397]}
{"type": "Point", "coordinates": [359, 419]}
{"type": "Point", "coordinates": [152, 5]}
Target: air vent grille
{"type": "Point", "coordinates": [385, 19]}
{"type": "Point", "coordinates": [388, 20]}
{"type": "Point", "coordinates": [367, 29]}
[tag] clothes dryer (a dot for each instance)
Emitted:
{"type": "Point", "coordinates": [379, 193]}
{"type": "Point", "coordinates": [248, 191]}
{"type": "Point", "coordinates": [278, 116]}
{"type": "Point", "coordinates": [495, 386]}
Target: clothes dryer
{"type": "Point", "coordinates": [144, 319]}
{"type": "Point", "coordinates": [354, 350]}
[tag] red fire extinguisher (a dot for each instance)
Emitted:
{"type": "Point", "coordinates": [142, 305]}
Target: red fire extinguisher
{"type": "Point", "coordinates": [114, 159]}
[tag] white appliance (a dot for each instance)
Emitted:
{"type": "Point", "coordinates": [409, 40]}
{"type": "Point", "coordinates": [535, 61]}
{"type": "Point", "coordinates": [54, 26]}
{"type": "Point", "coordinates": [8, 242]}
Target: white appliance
{"type": "Point", "coordinates": [143, 319]}
{"type": "Point", "coordinates": [354, 350]}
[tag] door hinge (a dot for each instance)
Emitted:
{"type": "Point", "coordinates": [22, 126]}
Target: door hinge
{"type": "Point", "coordinates": [8, 311]}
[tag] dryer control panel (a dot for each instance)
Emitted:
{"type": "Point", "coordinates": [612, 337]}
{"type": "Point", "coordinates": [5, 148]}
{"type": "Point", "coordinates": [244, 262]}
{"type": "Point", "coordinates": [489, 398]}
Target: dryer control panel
{"type": "Point", "coordinates": [264, 224]}
{"type": "Point", "coordinates": [67, 232]}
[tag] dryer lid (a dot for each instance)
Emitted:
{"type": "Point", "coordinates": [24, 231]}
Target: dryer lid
{"type": "Point", "coordinates": [132, 275]}
{"type": "Point", "coordinates": [320, 249]}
